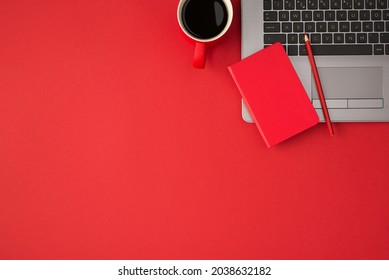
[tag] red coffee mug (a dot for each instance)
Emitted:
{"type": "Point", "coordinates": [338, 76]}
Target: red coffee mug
{"type": "Point", "coordinates": [204, 22]}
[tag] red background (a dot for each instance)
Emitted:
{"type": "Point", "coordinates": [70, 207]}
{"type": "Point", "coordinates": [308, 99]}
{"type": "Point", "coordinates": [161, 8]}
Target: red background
{"type": "Point", "coordinates": [113, 147]}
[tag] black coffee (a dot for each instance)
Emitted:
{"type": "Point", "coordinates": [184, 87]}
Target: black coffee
{"type": "Point", "coordinates": [204, 19]}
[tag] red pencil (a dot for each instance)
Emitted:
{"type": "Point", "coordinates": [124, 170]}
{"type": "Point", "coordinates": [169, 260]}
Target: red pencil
{"type": "Point", "coordinates": [318, 85]}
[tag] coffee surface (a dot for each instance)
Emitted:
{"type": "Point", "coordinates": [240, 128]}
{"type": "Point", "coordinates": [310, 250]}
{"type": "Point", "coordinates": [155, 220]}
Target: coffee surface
{"type": "Point", "coordinates": [204, 19]}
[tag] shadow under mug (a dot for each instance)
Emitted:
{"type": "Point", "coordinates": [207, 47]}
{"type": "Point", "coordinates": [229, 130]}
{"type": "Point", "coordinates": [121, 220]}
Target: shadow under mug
{"type": "Point", "coordinates": [204, 22]}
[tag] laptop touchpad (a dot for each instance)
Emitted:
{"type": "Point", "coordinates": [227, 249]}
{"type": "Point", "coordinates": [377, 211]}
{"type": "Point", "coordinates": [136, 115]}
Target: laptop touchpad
{"type": "Point", "coordinates": [350, 82]}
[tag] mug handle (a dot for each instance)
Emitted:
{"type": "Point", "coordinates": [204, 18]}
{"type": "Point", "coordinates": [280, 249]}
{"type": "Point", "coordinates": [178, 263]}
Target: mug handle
{"type": "Point", "coordinates": [199, 55]}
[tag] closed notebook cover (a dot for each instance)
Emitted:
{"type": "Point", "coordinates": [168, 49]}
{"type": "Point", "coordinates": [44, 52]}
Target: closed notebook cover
{"type": "Point", "coordinates": [274, 94]}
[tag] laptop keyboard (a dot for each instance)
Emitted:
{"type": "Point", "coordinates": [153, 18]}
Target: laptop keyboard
{"type": "Point", "coordinates": [335, 27]}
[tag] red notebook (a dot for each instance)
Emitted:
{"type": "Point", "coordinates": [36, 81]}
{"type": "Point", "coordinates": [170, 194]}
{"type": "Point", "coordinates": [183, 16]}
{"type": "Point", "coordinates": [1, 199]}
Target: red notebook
{"type": "Point", "coordinates": [274, 94]}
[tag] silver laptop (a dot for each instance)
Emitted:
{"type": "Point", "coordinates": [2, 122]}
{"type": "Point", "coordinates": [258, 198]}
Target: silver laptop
{"type": "Point", "coordinates": [350, 40]}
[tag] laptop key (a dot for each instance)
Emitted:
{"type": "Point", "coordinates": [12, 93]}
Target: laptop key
{"type": "Point", "coordinates": [350, 37]}
{"type": "Point", "coordinates": [295, 16]}
{"type": "Point", "coordinates": [376, 15]}
{"type": "Point", "coordinates": [293, 50]}
{"type": "Point", "coordinates": [301, 39]}
{"type": "Point", "coordinates": [278, 4]}
{"type": "Point", "coordinates": [329, 15]}
{"type": "Point", "coordinates": [341, 15]}
{"type": "Point", "coordinates": [324, 4]}
{"type": "Point", "coordinates": [312, 4]}
{"type": "Point", "coordinates": [267, 4]}
{"type": "Point", "coordinates": [272, 38]}
{"type": "Point", "coordinates": [321, 27]}
{"type": "Point", "coordinates": [339, 38]}
{"type": "Point", "coordinates": [356, 26]}
{"type": "Point", "coordinates": [367, 26]}
{"type": "Point", "coordinates": [283, 16]}
{"type": "Point", "coordinates": [386, 15]}
{"type": "Point", "coordinates": [309, 27]}
{"type": "Point", "coordinates": [289, 4]}
{"type": "Point", "coordinates": [384, 37]}
{"type": "Point", "coordinates": [307, 16]}
{"type": "Point", "coordinates": [336, 4]}
{"type": "Point", "coordinates": [361, 37]}
{"type": "Point", "coordinates": [301, 4]}
{"type": "Point", "coordinates": [344, 26]}
{"type": "Point", "coordinates": [333, 27]}
{"type": "Point", "coordinates": [364, 15]}
{"type": "Point", "coordinates": [379, 49]}
{"type": "Point", "coordinates": [327, 38]}
{"type": "Point", "coordinates": [379, 26]}
{"type": "Point", "coordinates": [347, 4]}
{"type": "Point", "coordinates": [298, 27]}
{"type": "Point", "coordinates": [272, 27]}
{"type": "Point", "coordinates": [382, 4]}
{"type": "Point", "coordinates": [316, 38]}
{"type": "Point", "coordinates": [373, 38]}
{"type": "Point", "coordinates": [270, 16]}
{"type": "Point", "coordinates": [370, 4]}
{"type": "Point", "coordinates": [286, 27]}
{"type": "Point", "coordinates": [293, 39]}
{"type": "Point", "coordinates": [338, 50]}
{"type": "Point", "coordinates": [318, 15]}
{"type": "Point", "coordinates": [352, 15]}
{"type": "Point", "coordinates": [359, 4]}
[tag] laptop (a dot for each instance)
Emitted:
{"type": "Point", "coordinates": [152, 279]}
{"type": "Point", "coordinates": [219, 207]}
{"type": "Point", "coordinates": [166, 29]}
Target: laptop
{"type": "Point", "coordinates": [350, 41]}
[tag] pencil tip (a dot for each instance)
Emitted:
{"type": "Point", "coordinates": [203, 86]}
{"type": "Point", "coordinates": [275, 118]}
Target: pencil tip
{"type": "Point", "coordinates": [306, 37]}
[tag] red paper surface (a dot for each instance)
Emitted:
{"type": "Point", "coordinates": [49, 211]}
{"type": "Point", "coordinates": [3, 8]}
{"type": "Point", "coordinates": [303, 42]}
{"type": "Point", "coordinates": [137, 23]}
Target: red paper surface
{"type": "Point", "coordinates": [113, 147]}
{"type": "Point", "coordinates": [273, 94]}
